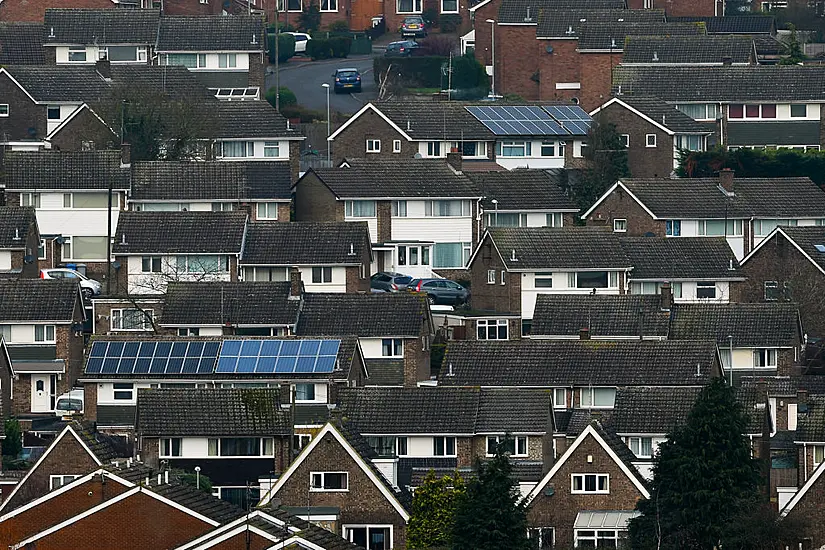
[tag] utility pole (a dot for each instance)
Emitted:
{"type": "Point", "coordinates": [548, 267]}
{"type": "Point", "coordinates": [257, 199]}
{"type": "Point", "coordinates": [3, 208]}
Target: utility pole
{"type": "Point", "coordinates": [277, 61]}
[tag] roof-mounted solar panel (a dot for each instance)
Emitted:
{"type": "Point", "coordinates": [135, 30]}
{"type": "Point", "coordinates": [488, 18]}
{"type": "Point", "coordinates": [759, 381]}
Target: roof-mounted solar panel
{"type": "Point", "coordinates": [278, 356]}
{"type": "Point", "coordinates": [152, 358]}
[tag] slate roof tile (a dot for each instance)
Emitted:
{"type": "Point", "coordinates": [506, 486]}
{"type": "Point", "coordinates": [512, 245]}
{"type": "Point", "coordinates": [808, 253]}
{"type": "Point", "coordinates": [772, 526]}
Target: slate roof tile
{"type": "Point", "coordinates": [515, 11]}
{"type": "Point", "coordinates": [606, 315]}
{"type": "Point", "coordinates": [235, 303]}
{"type": "Point", "coordinates": [568, 23]}
{"type": "Point", "coordinates": [15, 222]}
{"type": "Point", "coordinates": [305, 243]}
{"type": "Point", "coordinates": [521, 190]}
{"type": "Point", "coordinates": [38, 300]}
{"type": "Point", "coordinates": [100, 26]}
{"type": "Point", "coordinates": [810, 426]}
{"type": "Point", "coordinates": [104, 447]}
{"type": "Point", "coordinates": [389, 314]}
{"type": "Point", "coordinates": [385, 372]}
{"type": "Point", "coordinates": [64, 171]}
{"type": "Point", "coordinates": [434, 120]}
{"type": "Point", "coordinates": [732, 24]}
{"type": "Point", "coordinates": [665, 114]}
{"type": "Point", "coordinates": [21, 43]}
{"type": "Point", "coordinates": [751, 325]}
{"type": "Point", "coordinates": [645, 410]}
{"type": "Point", "coordinates": [60, 82]}
{"type": "Point", "coordinates": [180, 232]}
{"type": "Point", "coordinates": [250, 119]}
{"type": "Point", "coordinates": [618, 35]}
{"type": "Point", "coordinates": [202, 33]}
{"type": "Point", "coordinates": [687, 50]}
{"type": "Point", "coordinates": [685, 258]}
{"type": "Point", "coordinates": [198, 501]}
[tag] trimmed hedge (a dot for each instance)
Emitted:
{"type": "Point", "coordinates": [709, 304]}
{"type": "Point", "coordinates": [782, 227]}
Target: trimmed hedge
{"type": "Point", "coordinates": [334, 47]}
{"type": "Point", "coordinates": [426, 72]}
{"type": "Point", "coordinates": [286, 47]}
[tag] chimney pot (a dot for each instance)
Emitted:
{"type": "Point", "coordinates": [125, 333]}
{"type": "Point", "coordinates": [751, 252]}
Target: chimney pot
{"type": "Point", "coordinates": [726, 179]}
{"type": "Point", "coordinates": [584, 333]}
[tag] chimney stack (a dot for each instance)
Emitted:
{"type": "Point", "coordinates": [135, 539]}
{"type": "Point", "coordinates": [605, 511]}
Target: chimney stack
{"type": "Point", "coordinates": [104, 68]}
{"type": "Point", "coordinates": [454, 160]}
{"type": "Point", "coordinates": [667, 296]}
{"type": "Point", "coordinates": [802, 400]}
{"type": "Point", "coordinates": [726, 179]}
{"type": "Point", "coordinates": [125, 154]}
{"type": "Point", "coordinates": [296, 286]}
{"type": "Point", "coordinates": [584, 333]}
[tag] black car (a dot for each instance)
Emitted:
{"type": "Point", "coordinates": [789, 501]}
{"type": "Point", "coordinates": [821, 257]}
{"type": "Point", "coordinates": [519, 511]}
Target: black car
{"type": "Point", "coordinates": [402, 48]}
{"type": "Point", "coordinates": [347, 80]}
{"type": "Point", "coordinates": [441, 291]}
{"type": "Point", "coordinates": [388, 281]}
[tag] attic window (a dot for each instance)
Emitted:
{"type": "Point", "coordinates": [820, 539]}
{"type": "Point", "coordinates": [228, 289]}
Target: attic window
{"type": "Point", "coordinates": [820, 248]}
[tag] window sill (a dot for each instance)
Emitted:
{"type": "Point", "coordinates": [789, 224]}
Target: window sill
{"type": "Point", "coordinates": [313, 490]}
{"type": "Point", "coordinates": [573, 492]}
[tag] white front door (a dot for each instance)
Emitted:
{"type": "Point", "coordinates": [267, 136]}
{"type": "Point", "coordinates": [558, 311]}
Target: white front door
{"type": "Point", "coordinates": [44, 387]}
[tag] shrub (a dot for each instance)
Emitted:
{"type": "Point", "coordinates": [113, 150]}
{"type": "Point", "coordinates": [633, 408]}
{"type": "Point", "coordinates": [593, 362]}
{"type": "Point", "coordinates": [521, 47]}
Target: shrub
{"type": "Point", "coordinates": [438, 44]}
{"type": "Point", "coordinates": [13, 444]}
{"type": "Point", "coordinates": [338, 26]}
{"type": "Point", "coordinates": [302, 113]}
{"type": "Point", "coordinates": [468, 73]}
{"type": "Point", "coordinates": [430, 16]}
{"type": "Point", "coordinates": [287, 97]}
{"type": "Point", "coordinates": [340, 46]}
{"type": "Point", "coordinates": [286, 47]}
{"type": "Point", "coordinates": [449, 22]}
{"type": "Point", "coordinates": [337, 46]}
{"type": "Point", "coordinates": [310, 19]}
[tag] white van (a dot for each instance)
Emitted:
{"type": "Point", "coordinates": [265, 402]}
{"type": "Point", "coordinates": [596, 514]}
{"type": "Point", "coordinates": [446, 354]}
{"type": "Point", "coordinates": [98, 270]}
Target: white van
{"type": "Point", "coordinates": [69, 403]}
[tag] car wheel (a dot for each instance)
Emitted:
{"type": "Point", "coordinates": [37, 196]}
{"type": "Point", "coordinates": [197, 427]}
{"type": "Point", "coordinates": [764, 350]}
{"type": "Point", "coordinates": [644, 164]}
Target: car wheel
{"type": "Point", "coordinates": [87, 293]}
{"type": "Point", "coordinates": [431, 299]}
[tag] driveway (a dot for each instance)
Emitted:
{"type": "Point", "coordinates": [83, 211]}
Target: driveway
{"type": "Point", "coordinates": [304, 78]}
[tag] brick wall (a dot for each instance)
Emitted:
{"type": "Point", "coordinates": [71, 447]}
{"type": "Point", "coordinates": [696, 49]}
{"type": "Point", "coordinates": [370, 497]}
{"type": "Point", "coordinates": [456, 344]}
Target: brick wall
{"type": "Point", "coordinates": [314, 202]}
{"type": "Point", "coordinates": [501, 298]}
{"type": "Point", "coordinates": [518, 58]}
{"type": "Point", "coordinates": [416, 361]}
{"type": "Point", "coordinates": [21, 402]}
{"type": "Point", "coordinates": [90, 401]}
{"type": "Point", "coordinates": [24, 114]}
{"type": "Point", "coordinates": [384, 220]}
{"type": "Point", "coordinates": [808, 508]}
{"type": "Point", "coordinates": [285, 212]}
{"type": "Point", "coordinates": [621, 205]}
{"type": "Point", "coordinates": [191, 7]}
{"type": "Point", "coordinates": [596, 77]}
{"type": "Point", "coordinates": [562, 65]}
{"type": "Point", "coordinates": [352, 142]}
{"type": "Point", "coordinates": [84, 127]}
{"type": "Point", "coordinates": [34, 10]}
{"type": "Point", "coordinates": [644, 162]}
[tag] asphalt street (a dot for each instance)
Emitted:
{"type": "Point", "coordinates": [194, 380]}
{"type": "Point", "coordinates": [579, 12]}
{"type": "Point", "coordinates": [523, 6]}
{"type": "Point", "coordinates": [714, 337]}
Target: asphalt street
{"type": "Point", "coordinates": [304, 78]}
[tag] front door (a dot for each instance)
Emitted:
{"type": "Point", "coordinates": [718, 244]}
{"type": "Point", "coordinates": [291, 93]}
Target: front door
{"type": "Point", "coordinates": [44, 388]}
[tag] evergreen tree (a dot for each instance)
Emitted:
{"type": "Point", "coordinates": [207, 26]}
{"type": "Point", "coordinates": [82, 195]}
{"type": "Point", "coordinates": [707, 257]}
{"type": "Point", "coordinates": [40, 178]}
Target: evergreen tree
{"type": "Point", "coordinates": [795, 53]}
{"type": "Point", "coordinates": [13, 444]}
{"type": "Point", "coordinates": [433, 511]}
{"type": "Point", "coordinates": [491, 514]}
{"type": "Point", "coordinates": [703, 479]}
{"type": "Point", "coordinates": [606, 158]}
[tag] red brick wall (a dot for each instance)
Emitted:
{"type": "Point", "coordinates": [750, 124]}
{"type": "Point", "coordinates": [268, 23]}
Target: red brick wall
{"type": "Point", "coordinates": [239, 542]}
{"type": "Point", "coordinates": [679, 8]}
{"type": "Point", "coordinates": [84, 127]}
{"type": "Point", "coordinates": [504, 298]}
{"type": "Point", "coordinates": [518, 58]}
{"type": "Point", "coordinates": [34, 10]}
{"type": "Point", "coordinates": [352, 142]}
{"type": "Point", "coordinates": [621, 205]}
{"type": "Point", "coordinates": [808, 511]}
{"type": "Point", "coordinates": [560, 66]}
{"type": "Point", "coordinates": [596, 78]}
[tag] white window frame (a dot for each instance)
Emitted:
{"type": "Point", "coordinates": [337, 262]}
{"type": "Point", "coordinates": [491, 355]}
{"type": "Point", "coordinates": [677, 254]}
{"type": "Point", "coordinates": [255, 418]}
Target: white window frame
{"type": "Point", "coordinates": [349, 209]}
{"type": "Point", "coordinates": [559, 398]}
{"type": "Point", "coordinates": [396, 146]}
{"type": "Point", "coordinates": [214, 448]}
{"type": "Point", "coordinates": [491, 276]}
{"type": "Point", "coordinates": [648, 4]}
{"type": "Point", "coordinates": [306, 385]}
{"type": "Point", "coordinates": [554, 219]}
{"type": "Point", "coordinates": [126, 391]}
{"type": "Point", "coordinates": [520, 443]}
{"type": "Point", "coordinates": [4, 109]}
{"type": "Point", "coordinates": [650, 143]}
{"type": "Point", "coordinates": [620, 225]}
{"type": "Point", "coordinates": [803, 105]}
{"type": "Point", "coordinates": [189, 331]}
{"type": "Point", "coordinates": [299, 441]}
{"type": "Point", "coordinates": [331, 6]}
{"type": "Point", "coordinates": [434, 149]}
{"type": "Point", "coordinates": [707, 285]}
{"type": "Point", "coordinates": [322, 272]}
{"type": "Point", "coordinates": [394, 345]}
{"type": "Point", "coordinates": [673, 228]}
{"type": "Point", "coordinates": [820, 451]}
{"type": "Point", "coordinates": [62, 480]}
{"type": "Point", "coordinates": [74, 50]}
{"type": "Point", "coordinates": [346, 531]}
{"type": "Point", "coordinates": [320, 487]}
{"type": "Point", "coordinates": [768, 357]}
{"type": "Point", "coordinates": [616, 537]}
{"type": "Point", "coordinates": [117, 317]}
{"type": "Point", "coordinates": [538, 534]}
{"type": "Point", "coordinates": [495, 324]}
{"type": "Point", "coordinates": [42, 247]}
{"type": "Point", "coordinates": [44, 334]}
{"type": "Point", "coordinates": [583, 481]}
{"type": "Point", "coordinates": [445, 440]}
{"type": "Point", "coordinates": [249, 149]}
{"type": "Point", "coordinates": [227, 61]}
{"type": "Point", "coordinates": [151, 260]}
{"type": "Point", "coordinates": [634, 443]}
{"type": "Point", "coordinates": [737, 228]}
{"type": "Point", "coordinates": [415, 4]}
{"type": "Point", "coordinates": [272, 146]}
{"type": "Point", "coordinates": [423, 255]}
{"type": "Point", "coordinates": [449, 11]}
{"type": "Point", "coordinates": [545, 277]}
{"type": "Point", "coordinates": [399, 209]}
{"type": "Point", "coordinates": [591, 392]}
{"type": "Point", "coordinates": [269, 208]}
{"type": "Point", "coordinates": [373, 146]}
{"type": "Point", "coordinates": [30, 199]}
{"type": "Point", "coordinates": [430, 210]}
{"type": "Point", "coordinates": [625, 139]}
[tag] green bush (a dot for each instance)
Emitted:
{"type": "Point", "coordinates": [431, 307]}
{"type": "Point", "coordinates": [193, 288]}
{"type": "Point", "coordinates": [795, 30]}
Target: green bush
{"type": "Point", "coordinates": [340, 46]}
{"type": "Point", "coordinates": [338, 26]}
{"type": "Point", "coordinates": [303, 114]}
{"type": "Point", "coordinates": [286, 47]}
{"type": "Point", "coordinates": [449, 22]}
{"type": "Point", "coordinates": [335, 47]}
{"type": "Point", "coordinates": [468, 73]}
{"type": "Point", "coordinates": [287, 97]}
{"type": "Point", "coordinates": [13, 444]}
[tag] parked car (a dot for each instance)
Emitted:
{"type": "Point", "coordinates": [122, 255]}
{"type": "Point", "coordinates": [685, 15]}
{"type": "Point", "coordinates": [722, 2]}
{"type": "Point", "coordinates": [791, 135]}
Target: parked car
{"type": "Point", "coordinates": [402, 48]}
{"type": "Point", "coordinates": [89, 287]}
{"type": "Point", "coordinates": [301, 39]}
{"type": "Point", "coordinates": [441, 291]}
{"type": "Point", "coordinates": [414, 26]}
{"type": "Point", "coordinates": [69, 403]}
{"type": "Point", "coordinates": [347, 80]}
{"type": "Point", "coordinates": [387, 281]}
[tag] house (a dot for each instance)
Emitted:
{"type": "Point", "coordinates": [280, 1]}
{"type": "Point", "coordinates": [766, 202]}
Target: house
{"type": "Point", "coordinates": [22, 43]}
{"type": "Point", "coordinates": [756, 106]}
{"type": "Point", "coordinates": [511, 266]}
{"type": "Point", "coordinates": [421, 213]}
{"type": "Point", "coordinates": [41, 323]}
{"type": "Point", "coordinates": [261, 188]}
{"type": "Point", "coordinates": [394, 331]}
{"type": "Point", "coordinates": [524, 198]}
{"type": "Point", "coordinates": [698, 269]}
{"type": "Point", "coordinates": [742, 210]}
{"type": "Point", "coordinates": [327, 256]}
{"type": "Point", "coordinates": [760, 28]}
{"type": "Point", "coordinates": [156, 248]}
{"type": "Point", "coordinates": [550, 136]}
{"type": "Point", "coordinates": [789, 265]}
{"type": "Point", "coordinates": [235, 436]}
{"type": "Point", "coordinates": [335, 474]}
{"type": "Point", "coordinates": [19, 241]}
{"type": "Point", "coordinates": [654, 132]}
{"type": "Point", "coordinates": [69, 192]}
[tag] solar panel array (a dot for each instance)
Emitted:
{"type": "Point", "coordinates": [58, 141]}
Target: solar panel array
{"type": "Point", "coordinates": [532, 120]}
{"type": "Point", "coordinates": [152, 357]}
{"type": "Point", "coordinates": [278, 356]}
{"type": "Point", "coordinates": [572, 117]}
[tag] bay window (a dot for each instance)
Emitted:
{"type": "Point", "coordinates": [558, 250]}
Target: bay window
{"type": "Point", "coordinates": [359, 209]}
{"type": "Point", "coordinates": [451, 255]}
{"type": "Point", "coordinates": [597, 398]}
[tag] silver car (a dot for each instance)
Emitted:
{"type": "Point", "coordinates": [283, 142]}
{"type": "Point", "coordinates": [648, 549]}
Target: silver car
{"type": "Point", "coordinates": [89, 287]}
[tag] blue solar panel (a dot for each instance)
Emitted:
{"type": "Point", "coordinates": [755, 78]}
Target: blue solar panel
{"type": "Point", "coordinates": [278, 356]}
{"type": "Point", "coordinates": [525, 120]}
{"type": "Point", "coordinates": [152, 358]}
{"type": "Point", "coordinates": [573, 118]}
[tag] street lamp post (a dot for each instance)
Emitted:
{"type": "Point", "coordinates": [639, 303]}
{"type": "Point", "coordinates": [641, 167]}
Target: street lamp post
{"type": "Point", "coordinates": [493, 48]}
{"type": "Point", "coordinates": [495, 205]}
{"type": "Point", "coordinates": [329, 145]}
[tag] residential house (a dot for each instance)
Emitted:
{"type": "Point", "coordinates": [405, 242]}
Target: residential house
{"type": "Point", "coordinates": [511, 266]}
{"type": "Point", "coordinates": [156, 248]}
{"type": "Point", "coordinates": [69, 192]}
{"type": "Point", "coordinates": [806, 503]}
{"type": "Point", "coordinates": [761, 28]}
{"type": "Point", "coordinates": [260, 188]}
{"type": "Point", "coordinates": [41, 322]}
{"type": "Point", "coordinates": [698, 269]}
{"type": "Point", "coordinates": [422, 214]}
{"type": "Point", "coordinates": [327, 256]}
{"type": "Point", "coordinates": [394, 331]}
{"type": "Point", "coordinates": [22, 43]}
{"type": "Point", "coordinates": [334, 480]}
{"type": "Point", "coordinates": [532, 136]}
{"type": "Point", "coordinates": [754, 107]}
{"type": "Point", "coordinates": [743, 210]}
{"type": "Point", "coordinates": [84, 36]}
{"type": "Point", "coordinates": [654, 132]}
{"type": "Point", "coordinates": [235, 436]}
{"type": "Point", "coordinates": [788, 265]}
{"type": "Point", "coordinates": [19, 241]}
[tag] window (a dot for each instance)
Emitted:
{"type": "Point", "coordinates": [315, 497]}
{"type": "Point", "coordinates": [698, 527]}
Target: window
{"type": "Point", "coordinates": [603, 538]}
{"type": "Point", "coordinates": [444, 446]}
{"type": "Point", "coordinates": [202, 264]}
{"type": "Point", "coordinates": [492, 329]}
{"type": "Point", "coordinates": [162, 207]}
{"type": "Point", "coordinates": [544, 537]}
{"type": "Point", "coordinates": [359, 209]}
{"type": "Point", "coordinates": [267, 210]}
{"type": "Point", "coordinates": [131, 319]}
{"type": "Point", "coordinates": [408, 6]}
{"type": "Point", "coordinates": [449, 6]}
{"type": "Point", "coordinates": [77, 55]}
{"type": "Point", "coordinates": [544, 280]}
{"type": "Point", "coordinates": [150, 264]}
{"type": "Point", "coordinates": [701, 111]}
{"type": "Point", "coordinates": [399, 209]}
{"type": "Point", "coordinates": [170, 447]}
{"type": "Point", "coordinates": [673, 228]}
{"type": "Point", "coordinates": [764, 358]}
{"type": "Point", "coordinates": [752, 111]}
{"type": "Point", "coordinates": [328, 481]}
{"type": "Point", "coordinates": [706, 290]}
{"type": "Point", "coordinates": [548, 148]}
{"type": "Point", "coordinates": [44, 333]}
{"type": "Point", "coordinates": [642, 447]}
{"type": "Point", "coordinates": [471, 149]}
{"type": "Point", "coordinates": [720, 228]}
{"type": "Point", "coordinates": [818, 454]}
{"type": "Point", "coordinates": [690, 142]}
{"type": "Point", "coordinates": [53, 112]}
{"type": "Point", "coordinates": [241, 446]}
{"type": "Point", "coordinates": [625, 139]}
{"type": "Point", "coordinates": [597, 398]}
{"type": "Point", "coordinates": [451, 255]}
{"type": "Point", "coordinates": [293, 5]}
{"type": "Point", "coordinates": [433, 148]}
{"type": "Point", "coordinates": [371, 537]}
{"type": "Point", "coordinates": [592, 279]}
{"type": "Point", "coordinates": [768, 111]}
{"type": "Point", "coordinates": [771, 291]}
{"type": "Point", "coordinates": [392, 347]}
{"type": "Point", "coordinates": [736, 111]}
{"type": "Point", "coordinates": [620, 226]}
{"type": "Point", "coordinates": [299, 441]}
{"type": "Point", "coordinates": [764, 227]}
{"type": "Point", "coordinates": [56, 482]}
{"type": "Point", "coordinates": [227, 60]}
{"type": "Point", "coordinates": [321, 275]}
{"type": "Point", "coordinates": [559, 398]}
{"type": "Point", "coordinates": [453, 208]}
{"type": "Point", "coordinates": [235, 149]}
{"type": "Point", "coordinates": [41, 250]}
{"type": "Point", "coordinates": [329, 5]}
{"type": "Point", "coordinates": [491, 276]}
{"type": "Point", "coordinates": [272, 149]}
{"type": "Point", "coordinates": [304, 392]}
{"type": "Point", "coordinates": [591, 483]}
{"type": "Point", "coordinates": [554, 219]}
{"type": "Point", "coordinates": [373, 146]}
{"type": "Point", "coordinates": [385, 446]}
{"type": "Point", "coordinates": [396, 146]}
{"type": "Point", "coordinates": [191, 331]}
{"type": "Point", "coordinates": [123, 391]}
{"type": "Point", "coordinates": [514, 148]}
{"type": "Point", "coordinates": [650, 140]}
{"type": "Point", "coordinates": [188, 60]}
{"type": "Point", "coordinates": [30, 199]}
{"type": "Point", "coordinates": [506, 219]}
{"type": "Point", "coordinates": [648, 4]}
{"type": "Point", "coordinates": [413, 255]}
{"type": "Point", "coordinates": [799, 111]}
{"type": "Point", "coordinates": [515, 445]}
{"type": "Point", "coordinates": [223, 207]}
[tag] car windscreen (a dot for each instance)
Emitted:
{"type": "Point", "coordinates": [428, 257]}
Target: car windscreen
{"type": "Point", "coordinates": [347, 74]}
{"type": "Point", "coordinates": [69, 405]}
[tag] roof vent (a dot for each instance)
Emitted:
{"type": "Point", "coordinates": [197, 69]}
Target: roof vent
{"type": "Point", "coordinates": [570, 29]}
{"type": "Point", "coordinates": [655, 57]}
{"type": "Point", "coordinates": [16, 233]}
{"type": "Point", "coordinates": [619, 91]}
{"type": "Point", "coordinates": [123, 239]}
{"type": "Point", "coordinates": [528, 17]}
{"type": "Point", "coordinates": [730, 265]}
{"type": "Point", "coordinates": [51, 33]}
{"type": "Point", "coordinates": [698, 369]}
{"type": "Point", "coordinates": [351, 250]}
{"type": "Point", "coordinates": [621, 19]}
{"type": "Point", "coordinates": [254, 39]}
{"type": "Point", "coordinates": [820, 248]}
{"type": "Point", "coordinates": [513, 256]}
{"type": "Point", "coordinates": [408, 125]}
{"type": "Point", "coordinates": [613, 43]}
{"type": "Point", "coordinates": [450, 370]}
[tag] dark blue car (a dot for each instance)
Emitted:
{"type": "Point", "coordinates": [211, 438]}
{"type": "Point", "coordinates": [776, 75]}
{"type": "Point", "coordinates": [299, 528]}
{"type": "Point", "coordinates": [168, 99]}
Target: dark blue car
{"type": "Point", "coordinates": [347, 80]}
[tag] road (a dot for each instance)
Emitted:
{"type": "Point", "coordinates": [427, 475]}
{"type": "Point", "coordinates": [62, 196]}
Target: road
{"type": "Point", "coordinates": [305, 77]}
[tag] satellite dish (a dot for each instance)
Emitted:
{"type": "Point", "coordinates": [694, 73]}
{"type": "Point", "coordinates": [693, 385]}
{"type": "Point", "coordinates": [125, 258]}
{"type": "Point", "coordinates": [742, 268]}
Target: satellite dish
{"type": "Point", "coordinates": [116, 265]}
{"type": "Point", "coordinates": [549, 49]}
{"type": "Point", "coordinates": [417, 156]}
{"type": "Point", "coordinates": [60, 240]}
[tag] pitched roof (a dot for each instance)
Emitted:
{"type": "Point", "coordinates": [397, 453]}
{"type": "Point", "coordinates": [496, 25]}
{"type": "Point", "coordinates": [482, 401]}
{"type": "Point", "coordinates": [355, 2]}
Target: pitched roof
{"type": "Point", "coordinates": [806, 238]}
{"type": "Point", "coordinates": [385, 372]}
{"type": "Point", "coordinates": [100, 26]}
{"type": "Point", "coordinates": [305, 243]}
{"type": "Point", "coordinates": [434, 120]}
{"type": "Point", "coordinates": [210, 33]}
{"type": "Point", "coordinates": [686, 50]}
{"type": "Point", "coordinates": [558, 248]}
{"type": "Point", "coordinates": [197, 500]}
{"type": "Point", "coordinates": [396, 178]}
{"type": "Point", "coordinates": [753, 399]}
{"type": "Point", "coordinates": [616, 35]}
{"type": "Point", "coordinates": [211, 180]}
{"type": "Point", "coordinates": [810, 426]}
{"type": "Point", "coordinates": [398, 314]}
{"type": "Point", "coordinates": [548, 363]}
{"type": "Point", "coordinates": [732, 24]}
{"type": "Point", "coordinates": [644, 410]}
{"type": "Point", "coordinates": [212, 411]}
{"type": "Point", "coordinates": [60, 83]}
{"type": "Point", "coordinates": [768, 83]}
{"type": "Point", "coordinates": [702, 198]}
{"type": "Point", "coordinates": [750, 325]}
{"type": "Point", "coordinates": [513, 411]}
{"type": "Point", "coordinates": [516, 11]}
{"type": "Point", "coordinates": [38, 300]}
{"type": "Point", "coordinates": [787, 386]}
{"type": "Point", "coordinates": [606, 315]}
{"type": "Point", "coordinates": [521, 189]}
{"type": "Point", "coordinates": [21, 43]}
{"type": "Point", "coordinates": [684, 258]}
{"type": "Point", "coordinates": [567, 23]}
{"type": "Point", "coordinates": [250, 119]}
{"type": "Point", "coordinates": [15, 222]}
{"type": "Point", "coordinates": [64, 170]}
{"type": "Point", "coordinates": [168, 81]}
{"type": "Point", "coordinates": [665, 114]}
{"type": "Point", "coordinates": [180, 232]}
{"type": "Point", "coordinates": [103, 446]}
{"type": "Point", "coordinates": [235, 303]}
